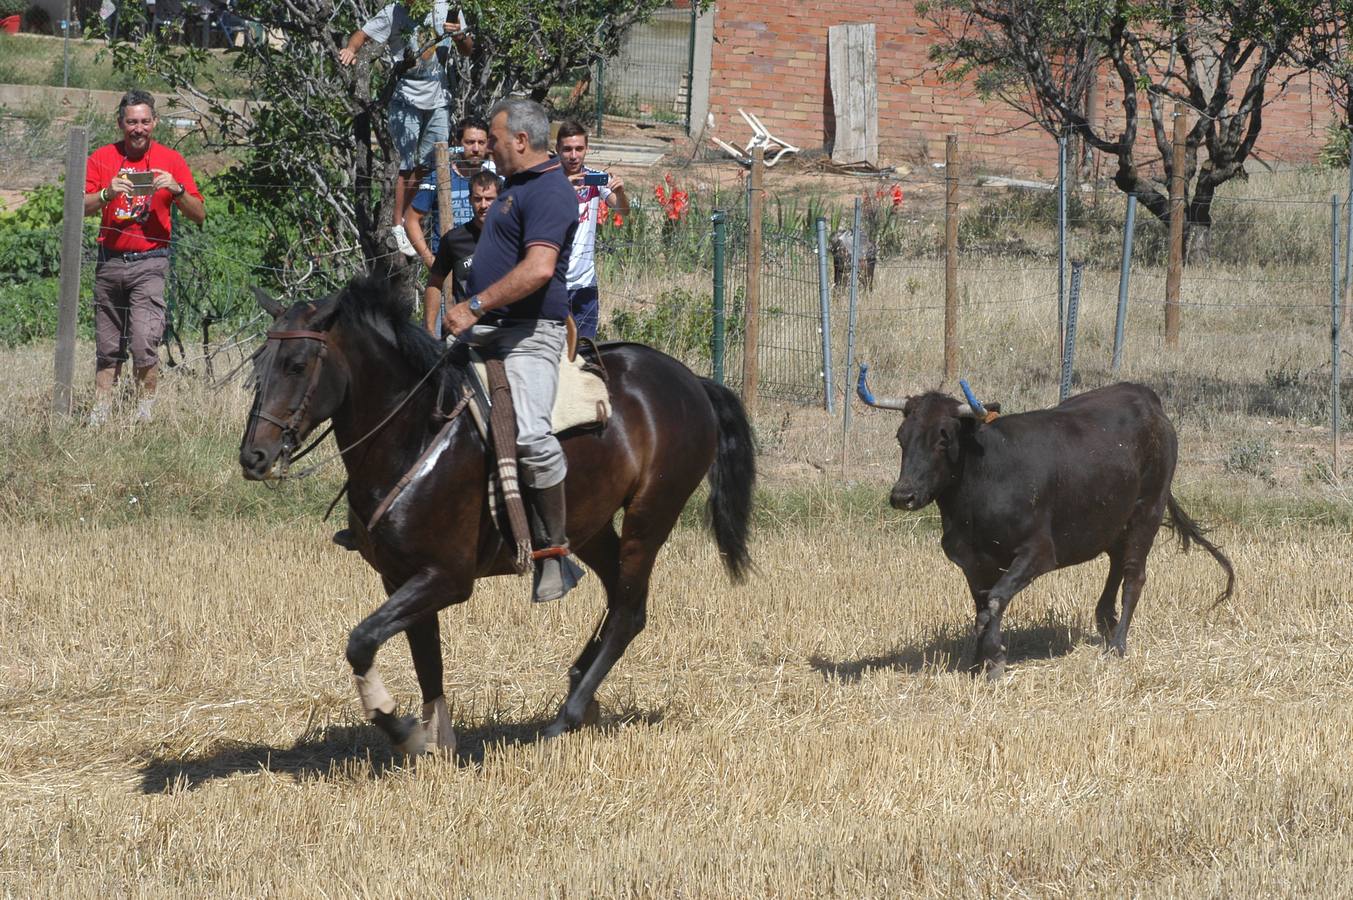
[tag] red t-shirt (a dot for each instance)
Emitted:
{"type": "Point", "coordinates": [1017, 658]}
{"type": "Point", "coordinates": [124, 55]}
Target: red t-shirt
{"type": "Point", "coordinates": [132, 224]}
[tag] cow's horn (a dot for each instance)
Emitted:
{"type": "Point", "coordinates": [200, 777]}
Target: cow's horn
{"type": "Point", "coordinates": [973, 409]}
{"type": "Point", "coordinates": [862, 389]}
{"type": "Point", "coordinates": [271, 306]}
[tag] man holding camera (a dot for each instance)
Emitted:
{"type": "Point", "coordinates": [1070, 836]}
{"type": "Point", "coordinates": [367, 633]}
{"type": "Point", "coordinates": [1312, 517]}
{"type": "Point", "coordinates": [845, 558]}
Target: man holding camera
{"type": "Point", "coordinates": [420, 108]}
{"type": "Point", "coordinates": [134, 184]}
{"type": "Point", "coordinates": [593, 188]}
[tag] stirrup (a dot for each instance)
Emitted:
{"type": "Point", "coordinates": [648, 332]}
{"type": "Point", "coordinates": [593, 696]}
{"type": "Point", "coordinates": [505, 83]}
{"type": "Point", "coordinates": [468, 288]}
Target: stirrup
{"type": "Point", "coordinates": [559, 582]}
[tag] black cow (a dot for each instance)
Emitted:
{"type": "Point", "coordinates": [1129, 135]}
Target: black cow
{"type": "Point", "coordinates": [1025, 494]}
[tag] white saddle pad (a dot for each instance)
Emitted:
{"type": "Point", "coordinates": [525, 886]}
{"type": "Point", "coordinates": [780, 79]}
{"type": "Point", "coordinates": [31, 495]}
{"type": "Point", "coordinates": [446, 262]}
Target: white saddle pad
{"type": "Point", "coordinates": [582, 398]}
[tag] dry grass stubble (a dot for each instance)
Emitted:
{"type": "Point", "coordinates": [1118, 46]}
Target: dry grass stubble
{"type": "Point", "coordinates": [180, 722]}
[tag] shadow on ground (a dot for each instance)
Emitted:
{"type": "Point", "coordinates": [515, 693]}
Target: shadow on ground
{"type": "Point", "coordinates": [345, 752]}
{"type": "Point", "coordinates": [950, 651]}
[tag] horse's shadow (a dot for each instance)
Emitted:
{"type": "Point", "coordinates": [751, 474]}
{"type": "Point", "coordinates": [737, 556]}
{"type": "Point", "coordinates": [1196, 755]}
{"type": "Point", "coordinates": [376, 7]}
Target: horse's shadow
{"type": "Point", "coordinates": [947, 650]}
{"type": "Point", "coordinates": [342, 752]}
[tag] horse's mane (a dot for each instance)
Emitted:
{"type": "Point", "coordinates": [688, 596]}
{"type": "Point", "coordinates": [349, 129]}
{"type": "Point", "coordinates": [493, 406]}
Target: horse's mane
{"type": "Point", "coordinates": [376, 304]}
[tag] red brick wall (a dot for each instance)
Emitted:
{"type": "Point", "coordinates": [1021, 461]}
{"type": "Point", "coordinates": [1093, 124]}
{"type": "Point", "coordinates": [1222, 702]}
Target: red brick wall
{"type": "Point", "coordinates": [770, 58]}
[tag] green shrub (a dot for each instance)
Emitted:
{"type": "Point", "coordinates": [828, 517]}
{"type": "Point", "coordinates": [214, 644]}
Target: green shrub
{"type": "Point", "coordinates": [30, 237]}
{"type": "Point", "coordinates": [1334, 153]}
{"type": "Point", "coordinates": [1252, 457]}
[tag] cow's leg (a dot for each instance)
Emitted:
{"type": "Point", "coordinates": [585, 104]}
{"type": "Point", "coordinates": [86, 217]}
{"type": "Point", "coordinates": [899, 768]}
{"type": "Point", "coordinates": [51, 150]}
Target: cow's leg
{"type": "Point", "coordinates": [1032, 561]}
{"type": "Point", "coordinates": [1105, 618]}
{"type": "Point", "coordinates": [1134, 579]}
{"type": "Point", "coordinates": [426, 649]}
{"type": "Point", "coordinates": [419, 597]}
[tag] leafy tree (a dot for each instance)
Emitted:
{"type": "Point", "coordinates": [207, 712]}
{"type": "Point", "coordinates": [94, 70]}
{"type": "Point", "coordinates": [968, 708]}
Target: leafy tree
{"type": "Point", "coordinates": [1221, 58]}
{"type": "Point", "coordinates": [317, 155]}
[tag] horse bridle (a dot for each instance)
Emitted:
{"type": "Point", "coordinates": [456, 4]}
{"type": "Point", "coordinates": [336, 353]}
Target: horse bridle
{"type": "Point", "coordinates": [290, 435]}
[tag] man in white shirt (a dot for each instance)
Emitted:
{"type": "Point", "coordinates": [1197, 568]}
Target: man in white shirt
{"type": "Point", "coordinates": [593, 188]}
{"type": "Point", "coordinates": [420, 108]}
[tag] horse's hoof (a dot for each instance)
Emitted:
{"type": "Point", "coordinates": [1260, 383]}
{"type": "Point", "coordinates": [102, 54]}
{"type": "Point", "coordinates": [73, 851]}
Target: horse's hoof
{"type": "Point", "coordinates": [996, 671]}
{"type": "Point", "coordinates": [437, 728]}
{"type": "Point", "coordinates": [415, 738]}
{"type": "Point", "coordinates": [592, 715]}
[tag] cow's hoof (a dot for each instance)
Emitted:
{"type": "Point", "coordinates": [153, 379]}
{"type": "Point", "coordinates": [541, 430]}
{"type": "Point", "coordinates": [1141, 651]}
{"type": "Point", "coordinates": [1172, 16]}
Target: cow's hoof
{"type": "Point", "coordinates": [592, 715]}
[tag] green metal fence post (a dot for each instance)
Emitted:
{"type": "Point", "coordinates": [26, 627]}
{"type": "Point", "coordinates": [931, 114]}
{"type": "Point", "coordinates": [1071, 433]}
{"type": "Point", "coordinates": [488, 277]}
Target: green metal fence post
{"type": "Point", "coordinates": [716, 343]}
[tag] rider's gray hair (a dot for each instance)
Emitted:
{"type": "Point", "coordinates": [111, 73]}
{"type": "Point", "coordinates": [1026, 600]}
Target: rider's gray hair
{"type": "Point", "coordinates": [526, 116]}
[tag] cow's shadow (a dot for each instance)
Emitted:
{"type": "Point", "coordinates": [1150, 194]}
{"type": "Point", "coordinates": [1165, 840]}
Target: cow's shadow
{"type": "Point", "coordinates": [346, 752]}
{"type": "Point", "coordinates": [950, 650]}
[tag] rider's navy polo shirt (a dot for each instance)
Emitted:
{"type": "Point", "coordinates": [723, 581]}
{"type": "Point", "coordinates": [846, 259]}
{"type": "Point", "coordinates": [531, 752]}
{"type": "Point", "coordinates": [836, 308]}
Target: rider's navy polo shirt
{"type": "Point", "coordinates": [538, 206]}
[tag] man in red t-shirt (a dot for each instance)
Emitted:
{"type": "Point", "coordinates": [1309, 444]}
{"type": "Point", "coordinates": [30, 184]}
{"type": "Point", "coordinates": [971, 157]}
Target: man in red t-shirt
{"type": "Point", "coordinates": [132, 184]}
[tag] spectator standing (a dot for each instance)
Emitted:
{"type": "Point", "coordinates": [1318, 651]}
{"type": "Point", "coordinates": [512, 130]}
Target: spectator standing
{"type": "Point", "coordinates": [455, 256]}
{"type": "Point", "coordinates": [571, 145]}
{"type": "Point", "coordinates": [423, 222]}
{"type": "Point", "coordinates": [129, 309]}
{"type": "Point", "coordinates": [420, 107]}
{"type": "Point", "coordinates": [516, 312]}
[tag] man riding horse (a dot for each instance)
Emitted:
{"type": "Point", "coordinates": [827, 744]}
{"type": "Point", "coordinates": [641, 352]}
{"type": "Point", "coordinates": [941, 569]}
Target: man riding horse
{"type": "Point", "coordinates": [517, 311]}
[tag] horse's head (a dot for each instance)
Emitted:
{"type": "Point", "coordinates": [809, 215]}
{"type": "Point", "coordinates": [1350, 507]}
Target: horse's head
{"type": "Point", "coordinates": [300, 382]}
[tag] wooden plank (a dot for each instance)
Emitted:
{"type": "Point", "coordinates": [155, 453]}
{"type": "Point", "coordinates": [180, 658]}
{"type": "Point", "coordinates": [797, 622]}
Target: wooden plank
{"type": "Point", "coordinates": [68, 309]}
{"type": "Point", "coordinates": [854, 77]}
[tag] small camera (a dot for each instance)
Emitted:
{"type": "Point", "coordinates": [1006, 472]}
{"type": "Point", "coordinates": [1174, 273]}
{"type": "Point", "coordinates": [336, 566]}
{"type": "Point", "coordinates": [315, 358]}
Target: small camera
{"type": "Point", "coordinates": [596, 178]}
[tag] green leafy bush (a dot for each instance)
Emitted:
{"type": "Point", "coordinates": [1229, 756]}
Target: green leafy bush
{"type": "Point", "coordinates": [30, 237]}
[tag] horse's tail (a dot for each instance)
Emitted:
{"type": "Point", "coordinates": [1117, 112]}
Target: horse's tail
{"type": "Point", "coordinates": [731, 479]}
{"type": "Point", "coordinates": [1190, 531]}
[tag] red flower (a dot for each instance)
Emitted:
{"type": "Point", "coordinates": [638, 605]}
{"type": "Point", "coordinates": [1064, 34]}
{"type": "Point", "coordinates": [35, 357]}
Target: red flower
{"type": "Point", "coordinates": [602, 211]}
{"type": "Point", "coordinates": [668, 178]}
{"type": "Point", "coordinates": [660, 194]}
{"type": "Point", "coordinates": [897, 195]}
{"type": "Point", "coordinates": [617, 221]}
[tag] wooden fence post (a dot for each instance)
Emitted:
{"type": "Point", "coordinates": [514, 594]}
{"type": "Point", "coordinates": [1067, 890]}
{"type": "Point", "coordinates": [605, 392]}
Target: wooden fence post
{"type": "Point", "coordinates": [72, 229]}
{"type": "Point", "coordinates": [1174, 275]}
{"type": "Point", "coordinates": [752, 324]}
{"type": "Point", "coordinates": [950, 258]}
{"type": "Point", "coordinates": [444, 214]}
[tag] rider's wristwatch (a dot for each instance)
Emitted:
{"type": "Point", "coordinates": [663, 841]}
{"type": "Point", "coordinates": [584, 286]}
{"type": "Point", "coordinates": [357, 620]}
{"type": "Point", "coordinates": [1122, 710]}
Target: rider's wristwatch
{"type": "Point", "coordinates": [476, 308]}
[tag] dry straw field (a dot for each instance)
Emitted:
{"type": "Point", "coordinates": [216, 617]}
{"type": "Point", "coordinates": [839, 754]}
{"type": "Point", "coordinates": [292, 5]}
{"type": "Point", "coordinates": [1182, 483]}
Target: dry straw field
{"type": "Point", "coordinates": [179, 719]}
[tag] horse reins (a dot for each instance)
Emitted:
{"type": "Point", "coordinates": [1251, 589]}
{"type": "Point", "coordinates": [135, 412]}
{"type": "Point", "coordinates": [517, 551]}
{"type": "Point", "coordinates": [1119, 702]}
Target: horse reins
{"type": "Point", "coordinates": [289, 427]}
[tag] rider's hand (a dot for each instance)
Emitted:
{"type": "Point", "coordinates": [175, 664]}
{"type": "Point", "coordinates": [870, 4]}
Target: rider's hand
{"type": "Point", "coordinates": [459, 319]}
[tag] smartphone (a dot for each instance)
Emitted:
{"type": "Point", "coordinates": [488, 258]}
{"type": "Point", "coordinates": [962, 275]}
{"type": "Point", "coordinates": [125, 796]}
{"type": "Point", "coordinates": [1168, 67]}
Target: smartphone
{"type": "Point", "coordinates": [453, 15]}
{"type": "Point", "coordinates": [143, 183]}
{"type": "Point", "coordinates": [596, 178]}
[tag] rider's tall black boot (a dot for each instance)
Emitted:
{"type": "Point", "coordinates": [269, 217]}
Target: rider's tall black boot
{"type": "Point", "coordinates": [556, 573]}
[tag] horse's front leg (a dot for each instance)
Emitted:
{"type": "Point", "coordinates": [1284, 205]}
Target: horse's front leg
{"type": "Point", "coordinates": [426, 649]}
{"type": "Point", "coordinates": [416, 600]}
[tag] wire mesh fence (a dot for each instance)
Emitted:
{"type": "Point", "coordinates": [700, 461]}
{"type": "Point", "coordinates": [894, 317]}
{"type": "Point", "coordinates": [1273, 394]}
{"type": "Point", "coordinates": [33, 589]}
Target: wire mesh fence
{"type": "Point", "coordinates": [1254, 302]}
{"type": "Point", "coordinates": [649, 80]}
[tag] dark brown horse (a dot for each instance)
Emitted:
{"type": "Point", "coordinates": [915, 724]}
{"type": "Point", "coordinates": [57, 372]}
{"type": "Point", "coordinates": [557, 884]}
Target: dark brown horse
{"type": "Point", "coordinates": [355, 358]}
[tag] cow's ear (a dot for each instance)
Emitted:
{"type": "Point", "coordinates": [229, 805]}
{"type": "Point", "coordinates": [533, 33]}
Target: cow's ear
{"type": "Point", "coordinates": [966, 441]}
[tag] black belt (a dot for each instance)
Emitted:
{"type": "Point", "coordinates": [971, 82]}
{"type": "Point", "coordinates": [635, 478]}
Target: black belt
{"type": "Point", "coordinates": [133, 255]}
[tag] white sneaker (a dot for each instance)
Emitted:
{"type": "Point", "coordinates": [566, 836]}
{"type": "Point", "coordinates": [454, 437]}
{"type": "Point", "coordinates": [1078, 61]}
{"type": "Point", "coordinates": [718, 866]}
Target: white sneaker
{"type": "Point", "coordinates": [99, 414]}
{"type": "Point", "coordinates": [402, 241]}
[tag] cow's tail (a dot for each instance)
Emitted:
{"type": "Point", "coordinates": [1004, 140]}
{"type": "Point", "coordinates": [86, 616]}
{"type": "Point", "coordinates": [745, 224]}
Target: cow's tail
{"type": "Point", "coordinates": [1189, 531]}
{"type": "Point", "coordinates": [731, 479]}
